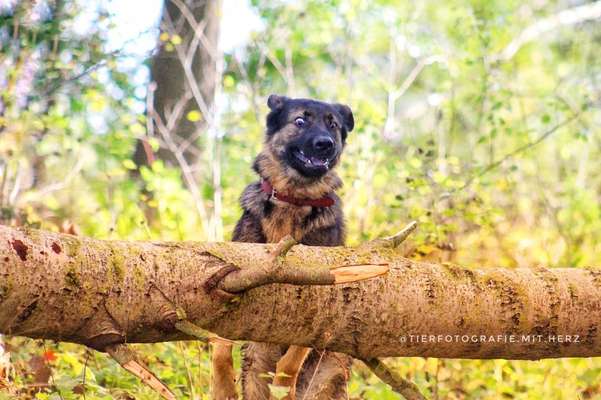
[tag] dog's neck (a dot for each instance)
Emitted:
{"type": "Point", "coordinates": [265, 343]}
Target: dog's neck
{"type": "Point", "coordinates": [326, 201]}
{"type": "Point", "coordinates": [284, 179]}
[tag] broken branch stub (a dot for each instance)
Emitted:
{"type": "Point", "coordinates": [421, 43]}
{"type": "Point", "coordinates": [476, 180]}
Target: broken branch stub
{"type": "Point", "coordinates": [276, 271]}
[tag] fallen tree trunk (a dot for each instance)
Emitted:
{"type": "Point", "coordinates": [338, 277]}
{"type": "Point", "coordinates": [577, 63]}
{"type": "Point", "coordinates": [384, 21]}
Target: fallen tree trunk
{"type": "Point", "coordinates": [103, 293]}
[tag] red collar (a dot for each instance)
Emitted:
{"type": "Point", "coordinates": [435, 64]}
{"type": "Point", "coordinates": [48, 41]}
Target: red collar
{"type": "Point", "coordinates": [325, 201]}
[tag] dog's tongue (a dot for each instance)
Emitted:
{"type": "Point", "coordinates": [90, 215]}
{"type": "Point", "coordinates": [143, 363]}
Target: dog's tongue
{"type": "Point", "coordinates": [318, 162]}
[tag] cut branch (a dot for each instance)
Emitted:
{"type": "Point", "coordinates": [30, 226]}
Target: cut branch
{"type": "Point", "coordinates": [277, 272]}
{"type": "Point", "coordinates": [105, 293]}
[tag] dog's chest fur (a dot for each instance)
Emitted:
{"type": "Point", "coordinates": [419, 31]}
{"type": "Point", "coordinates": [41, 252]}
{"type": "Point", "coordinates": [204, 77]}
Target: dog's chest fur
{"type": "Point", "coordinates": [268, 220]}
{"type": "Point", "coordinates": [284, 219]}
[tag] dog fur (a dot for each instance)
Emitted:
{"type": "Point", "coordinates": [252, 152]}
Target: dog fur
{"type": "Point", "coordinates": [267, 220]}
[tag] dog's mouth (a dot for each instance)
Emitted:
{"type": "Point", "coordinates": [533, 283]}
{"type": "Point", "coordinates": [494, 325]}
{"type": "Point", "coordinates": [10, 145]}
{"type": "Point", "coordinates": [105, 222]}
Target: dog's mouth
{"type": "Point", "coordinates": [311, 161]}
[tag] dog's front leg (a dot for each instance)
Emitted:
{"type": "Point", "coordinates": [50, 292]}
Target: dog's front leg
{"type": "Point", "coordinates": [288, 368]}
{"type": "Point", "coordinates": [223, 381]}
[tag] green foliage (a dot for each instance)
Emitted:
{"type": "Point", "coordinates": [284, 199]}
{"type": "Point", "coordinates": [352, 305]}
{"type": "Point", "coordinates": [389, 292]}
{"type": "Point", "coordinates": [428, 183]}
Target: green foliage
{"type": "Point", "coordinates": [473, 147]}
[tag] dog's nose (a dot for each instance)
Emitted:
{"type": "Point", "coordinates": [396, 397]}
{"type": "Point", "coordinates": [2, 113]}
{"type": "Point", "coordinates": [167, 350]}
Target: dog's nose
{"type": "Point", "coordinates": [323, 144]}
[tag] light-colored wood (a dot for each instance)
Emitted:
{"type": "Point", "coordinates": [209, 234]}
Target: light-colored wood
{"type": "Point", "coordinates": [354, 273]}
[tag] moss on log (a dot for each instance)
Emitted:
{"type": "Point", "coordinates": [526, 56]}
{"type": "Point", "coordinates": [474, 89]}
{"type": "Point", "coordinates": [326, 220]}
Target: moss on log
{"type": "Point", "coordinates": [102, 293]}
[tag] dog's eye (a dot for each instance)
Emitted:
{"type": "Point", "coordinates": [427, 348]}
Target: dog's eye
{"type": "Point", "coordinates": [299, 122]}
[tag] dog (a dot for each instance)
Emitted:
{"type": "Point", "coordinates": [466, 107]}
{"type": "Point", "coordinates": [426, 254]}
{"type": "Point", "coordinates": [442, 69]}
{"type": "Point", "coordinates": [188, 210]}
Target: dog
{"type": "Point", "coordinates": [295, 196]}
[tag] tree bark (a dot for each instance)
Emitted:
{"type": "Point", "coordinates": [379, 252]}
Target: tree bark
{"type": "Point", "coordinates": [102, 293]}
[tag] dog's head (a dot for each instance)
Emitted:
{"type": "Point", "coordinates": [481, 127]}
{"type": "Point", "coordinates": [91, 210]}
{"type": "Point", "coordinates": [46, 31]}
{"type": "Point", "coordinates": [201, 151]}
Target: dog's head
{"type": "Point", "coordinates": [307, 136]}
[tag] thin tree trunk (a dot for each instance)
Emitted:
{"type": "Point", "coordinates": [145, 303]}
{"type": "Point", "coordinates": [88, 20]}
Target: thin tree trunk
{"type": "Point", "coordinates": [102, 293]}
{"type": "Point", "coordinates": [197, 57]}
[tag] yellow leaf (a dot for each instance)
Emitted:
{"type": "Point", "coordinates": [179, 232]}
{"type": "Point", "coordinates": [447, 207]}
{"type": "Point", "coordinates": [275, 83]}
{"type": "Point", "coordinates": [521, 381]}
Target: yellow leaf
{"type": "Point", "coordinates": [164, 37]}
{"type": "Point", "coordinates": [154, 143]}
{"type": "Point", "coordinates": [194, 116]}
{"type": "Point", "coordinates": [438, 177]}
{"type": "Point", "coordinates": [129, 164]}
{"type": "Point", "coordinates": [137, 129]}
{"type": "Point", "coordinates": [425, 249]}
{"type": "Point", "coordinates": [176, 39]}
{"type": "Point", "coordinates": [228, 81]}
{"type": "Point", "coordinates": [415, 163]}
{"type": "Point", "coordinates": [115, 172]}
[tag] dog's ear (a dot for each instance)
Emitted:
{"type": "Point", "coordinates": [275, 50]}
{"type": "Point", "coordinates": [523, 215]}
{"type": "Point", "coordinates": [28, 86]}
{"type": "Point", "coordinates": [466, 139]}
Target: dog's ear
{"type": "Point", "coordinates": [276, 114]}
{"type": "Point", "coordinates": [347, 116]}
{"type": "Point", "coordinates": [276, 102]}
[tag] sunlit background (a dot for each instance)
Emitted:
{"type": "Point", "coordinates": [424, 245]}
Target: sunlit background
{"type": "Point", "coordinates": [478, 119]}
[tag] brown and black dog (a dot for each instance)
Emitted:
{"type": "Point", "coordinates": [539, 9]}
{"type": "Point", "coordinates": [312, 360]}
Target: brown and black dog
{"type": "Point", "coordinates": [294, 196]}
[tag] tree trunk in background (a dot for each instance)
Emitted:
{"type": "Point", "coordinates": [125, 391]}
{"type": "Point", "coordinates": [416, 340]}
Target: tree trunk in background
{"type": "Point", "coordinates": [100, 293]}
{"type": "Point", "coordinates": [168, 72]}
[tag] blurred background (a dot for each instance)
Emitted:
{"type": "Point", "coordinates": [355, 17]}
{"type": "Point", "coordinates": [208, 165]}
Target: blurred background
{"type": "Point", "coordinates": [140, 119]}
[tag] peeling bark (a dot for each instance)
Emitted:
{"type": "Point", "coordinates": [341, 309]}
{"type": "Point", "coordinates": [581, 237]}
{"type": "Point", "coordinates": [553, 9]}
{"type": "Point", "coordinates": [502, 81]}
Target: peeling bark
{"type": "Point", "coordinates": [103, 293]}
